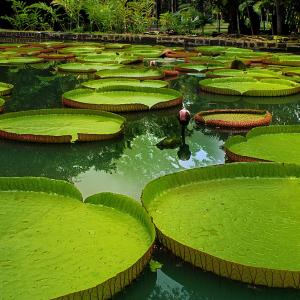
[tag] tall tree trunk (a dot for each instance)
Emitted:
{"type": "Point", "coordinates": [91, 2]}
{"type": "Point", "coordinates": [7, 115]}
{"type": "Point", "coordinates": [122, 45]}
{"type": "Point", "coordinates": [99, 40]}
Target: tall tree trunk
{"type": "Point", "coordinates": [233, 16]}
{"type": "Point", "coordinates": [279, 16]}
{"type": "Point", "coordinates": [249, 17]}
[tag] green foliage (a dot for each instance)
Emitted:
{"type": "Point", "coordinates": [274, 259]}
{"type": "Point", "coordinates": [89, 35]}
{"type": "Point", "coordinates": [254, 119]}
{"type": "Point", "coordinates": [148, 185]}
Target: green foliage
{"type": "Point", "coordinates": [26, 17]}
{"type": "Point", "coordinates": [109, 15]}
{"type": "Point", "coordinates": [139, 15]}
{"type": "Point", "coordinates": [72, 9]}
{"type": "Point", "coordinates": [155, 265]}
{"type": "Point", "coordinates": [186, 20]}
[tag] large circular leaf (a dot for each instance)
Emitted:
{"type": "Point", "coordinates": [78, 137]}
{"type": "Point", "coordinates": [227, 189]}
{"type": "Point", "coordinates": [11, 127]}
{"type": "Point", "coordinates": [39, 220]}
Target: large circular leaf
{"type": "Point", "coordinates": [100, 83]}
{"type": "Point", "coordinates": [123, 98]}
{"type": "Point", "coordinates": [211, 50]}
{"type": "Point", "coordinates": [284, 60]}
{"type": "Point", "coordinates": [252, 72]}
{"type": "Point", "coordinates": [111, 58]}
{"type": "Point", "coordinates": [52, 245]}
{"type": "Point", "coordinates": [291, 71]}
{"type": "Point", "coordinates": [234, 118]}
{"type": "Point", "coordinates": [280, 143]}
{"type": "Point", "coordinates": [60, 125]}
{"type": "Point", "coordinates": [87, 67]}
{"type": "Point", "coordinates": [137, 73]}
{"type": "Point", "coordinates": [5, 88]}
{"type": "Point", "coordinates": [240, 221]}
{"type": "Point", "coordinates": [249, 86]}
{"type": "Point", "coordinates": [20, 60]}
{"type": "Point", "coordinates": [79, 50]}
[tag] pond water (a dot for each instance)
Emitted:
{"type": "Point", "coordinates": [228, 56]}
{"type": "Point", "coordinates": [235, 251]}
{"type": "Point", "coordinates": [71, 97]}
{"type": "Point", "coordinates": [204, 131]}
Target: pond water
{"type": "Point", "coordinates": [126, 165]}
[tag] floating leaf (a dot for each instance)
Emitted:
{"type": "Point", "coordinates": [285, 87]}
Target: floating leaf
{"type": "Point", "coordinates": [53, 245]}
{"type": "Point", "coordinates": [239, 221]}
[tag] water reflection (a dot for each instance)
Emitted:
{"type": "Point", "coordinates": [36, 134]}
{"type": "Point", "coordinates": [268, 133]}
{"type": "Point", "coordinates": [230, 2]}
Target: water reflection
{"type": "Point", "coordinates": [178, 280]}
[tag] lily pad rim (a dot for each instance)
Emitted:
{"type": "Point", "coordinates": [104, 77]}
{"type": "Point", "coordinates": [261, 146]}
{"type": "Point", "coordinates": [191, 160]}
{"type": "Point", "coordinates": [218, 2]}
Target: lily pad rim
{"type": "Point", "coordinates": [266, 118]}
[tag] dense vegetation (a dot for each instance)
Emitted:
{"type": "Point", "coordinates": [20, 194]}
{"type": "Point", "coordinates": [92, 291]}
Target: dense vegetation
{"type": "Point", "coordinates": [137, 16]}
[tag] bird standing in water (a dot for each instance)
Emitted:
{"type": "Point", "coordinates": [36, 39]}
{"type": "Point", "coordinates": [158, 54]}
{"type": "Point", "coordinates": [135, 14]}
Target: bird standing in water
{"type": "Point", "coordinates": [184, 117]}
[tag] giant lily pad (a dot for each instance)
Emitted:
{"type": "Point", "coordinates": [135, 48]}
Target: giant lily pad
{"type": "Point", "coordinates": [111, 58]}
{"type": "Point", "coordinates": [137, 73]}
{"type": "Point", "coordinates": [146, 53]}
{"type": "Point", "coordinates": [249, 86]}
{"type": "Point", "coordinates": [56, 56]}
{"type": "Point", "coordinates": [116, 46]}
{"type": "Point", "coordinates": [123, 98]}
{"type": "Point", "coordinates": [284, 60]}
{"type": "Point", "coordinates": [252, 72]}
{"type": "Point", "coordinates": [20, 60]}
{"type": "Point", "coordinates": [5, 88]}
{"type": "Point", "coordinates": [87, 67]}
{"type": "Point", "coordinates": [100, 83]}
{"type": "Point", "coordinates": [239, 221]}
{"type": "Point", "coordinates": [80, 50]}
{"type": "Point", "coordinates": [234, 118]}
{"type": "Point", "coordinates": [291, 71]}
{"type": "Point", "coordinates": [60, 125]}
{"type": "Point", "coordinates": [53, 245]}
{"type": "Point", "coordinates": [279, 143]}
{"type": "Point", "coordinates": [211, 50]}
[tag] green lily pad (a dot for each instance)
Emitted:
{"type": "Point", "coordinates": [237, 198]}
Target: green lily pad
{"type": "Point", "coordinates": [122, 98]}
{"type": "Point", "coordinates": [234, 118]}
{"type": "Point", "coordinates": [116, 46]}
{"type": "Point", "coordinates": [252, 72]}
{"type": "Point", "coordinates": [87, 67]}
{"type": "Point", "coordinates": [60, 125]}
{"type": "Point", "coordinates": [211, 50]}
{"type": "Point", "coordinates": [56, 56]}
{"type": "Point", "coordinates": [248, 86]}
{"type": "Point", "coordinates": [284, 60]}
{"type": "Point", "coordinates": [5, 88]}
{"type": "Point", "coordinates": [138, 73]}
{"type": "Point", "coordinates": [146, 53]}
{"type": "Point", "coordinates": [20, 60]}
{"type": "Point", "coordinates": [111, 58]}
{"type": "Point", "coordinates": [100, 83]}
{"type": "Point", "coordinates": [80, 50]}
{"type": "Point", "coordinates": [291, 71]}
{"type": "Point", "coordinates": [279, 143]}
{"type": "Point", "coordinates": [239, 221]}
{"type": "Point", "coordinates": [54, 245]}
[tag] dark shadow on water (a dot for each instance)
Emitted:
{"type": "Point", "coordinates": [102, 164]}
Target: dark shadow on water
{"type": "Point", "coordinates": [177, 280]}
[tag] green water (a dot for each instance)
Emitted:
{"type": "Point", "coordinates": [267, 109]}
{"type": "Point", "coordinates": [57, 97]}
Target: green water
{"type": "Point", "coordinates": [126, 165]}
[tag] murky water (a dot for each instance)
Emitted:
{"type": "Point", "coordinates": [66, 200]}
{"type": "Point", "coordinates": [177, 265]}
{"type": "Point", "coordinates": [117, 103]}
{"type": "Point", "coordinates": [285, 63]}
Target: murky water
{"type": "Point", "coordinates": [126, 165]}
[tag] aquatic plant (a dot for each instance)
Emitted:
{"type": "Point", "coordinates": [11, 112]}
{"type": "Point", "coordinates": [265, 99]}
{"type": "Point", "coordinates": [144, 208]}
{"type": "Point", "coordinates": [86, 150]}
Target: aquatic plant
{"type": "Point", "coordinates": [100, 83]}
{"type": "Point", "coordinates": [234, 118]}
{"type": "Point", "coordinates": [279, 143]}
{"type": "Point", "coordinates": [5, 88]}
{"type": "Point", "coordinates": [248, 86]}
{"type": "Point", "coordinates": [60, 126]}
{"type": "Point", "coordinates": [123, 98]}
{"type": "Point", "coordinates": [200, 215]}
{"type": "Point", "coordinates": [109, 253]}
